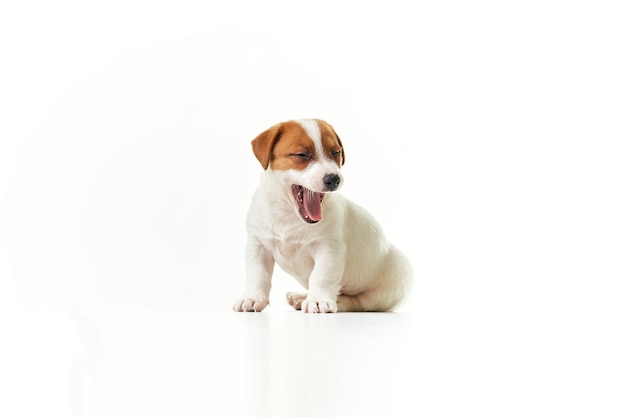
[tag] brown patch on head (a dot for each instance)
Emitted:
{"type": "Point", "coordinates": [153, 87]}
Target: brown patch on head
{"type": "Point", "coordinates": [284, 146]}
{"type": "Point", "coordinates": [331, 143]}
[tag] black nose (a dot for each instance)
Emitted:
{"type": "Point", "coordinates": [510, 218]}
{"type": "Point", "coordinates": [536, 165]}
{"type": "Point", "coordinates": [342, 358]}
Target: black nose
{"type": "Point", "coordinates": [331, 181]}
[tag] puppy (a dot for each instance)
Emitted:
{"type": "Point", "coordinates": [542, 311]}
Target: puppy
{"type": "Point", "coordinates": [331, 246]}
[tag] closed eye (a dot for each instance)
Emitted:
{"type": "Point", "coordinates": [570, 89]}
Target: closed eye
{"type": "Point", "coordinates": [302, 155]}
{"type": "Point", "coordinates": [337, 152]}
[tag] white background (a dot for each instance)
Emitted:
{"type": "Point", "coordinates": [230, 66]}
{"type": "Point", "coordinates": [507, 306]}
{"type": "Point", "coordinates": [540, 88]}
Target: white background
{"type": "Point", "coordinates": [486, 137]}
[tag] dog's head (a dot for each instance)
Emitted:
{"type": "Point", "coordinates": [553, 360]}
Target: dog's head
{"type": "Point", "coordinates": [305, 156]}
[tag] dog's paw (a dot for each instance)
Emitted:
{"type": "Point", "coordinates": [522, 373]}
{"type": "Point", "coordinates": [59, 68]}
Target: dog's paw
{"type": "Point", "coordinates": [295, 299]}
{"type": "Point", "coordinates": [249, 304]}
{"type": "Point", "coordinates": [311, 305]}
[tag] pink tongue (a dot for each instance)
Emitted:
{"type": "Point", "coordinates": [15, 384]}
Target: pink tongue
{"type": "Point", "coordinates": [312, 204]}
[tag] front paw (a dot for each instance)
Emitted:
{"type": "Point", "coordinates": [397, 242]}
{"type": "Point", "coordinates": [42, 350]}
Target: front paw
{"type": "Point", "coordinates": [250, 304]}
{"type": "Point", "coordinates": [313, 305]}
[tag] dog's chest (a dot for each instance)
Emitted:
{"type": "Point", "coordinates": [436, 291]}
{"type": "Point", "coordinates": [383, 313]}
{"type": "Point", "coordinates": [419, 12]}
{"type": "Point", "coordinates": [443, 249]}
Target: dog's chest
{"type": "Point", "coordinates": [286, 250]}
{"type": "Point", "coordinates": [294, 256]}
{"type": "Point", "coordinates": [290, 251]}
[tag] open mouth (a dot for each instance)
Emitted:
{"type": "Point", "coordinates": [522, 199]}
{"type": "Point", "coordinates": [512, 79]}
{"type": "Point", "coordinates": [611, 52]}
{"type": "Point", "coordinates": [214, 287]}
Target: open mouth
{"type": "Point", "coordinates": [309, 202]}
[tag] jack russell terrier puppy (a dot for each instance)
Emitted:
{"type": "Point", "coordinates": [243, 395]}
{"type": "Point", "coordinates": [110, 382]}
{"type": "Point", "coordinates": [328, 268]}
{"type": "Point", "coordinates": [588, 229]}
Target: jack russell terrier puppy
{"type": "Point", "coordinates": [333, 247]}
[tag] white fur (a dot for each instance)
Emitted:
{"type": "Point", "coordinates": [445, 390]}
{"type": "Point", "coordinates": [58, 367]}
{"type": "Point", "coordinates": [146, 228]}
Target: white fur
{"type": "Point", "coordinates": [343, 260]}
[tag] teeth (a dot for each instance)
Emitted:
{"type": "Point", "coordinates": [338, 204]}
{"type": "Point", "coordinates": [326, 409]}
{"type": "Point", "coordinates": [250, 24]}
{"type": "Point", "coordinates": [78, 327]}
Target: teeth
{"type": "Point", "coordinates": [300, 195]}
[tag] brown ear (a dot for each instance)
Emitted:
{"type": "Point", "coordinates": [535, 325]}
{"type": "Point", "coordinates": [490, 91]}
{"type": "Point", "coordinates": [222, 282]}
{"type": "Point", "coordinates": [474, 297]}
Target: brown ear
{"type": "Point", "coordinates": [343, 152]}
{"type": "Point", "coordinates": [262, 145]}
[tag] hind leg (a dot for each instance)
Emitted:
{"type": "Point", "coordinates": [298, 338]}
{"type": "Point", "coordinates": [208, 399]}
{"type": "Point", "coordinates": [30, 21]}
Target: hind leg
{"type": "Point", "coordinates": [366, 301]}
{"type": "Point", "coordinates": [295, 299]}
{"type": "Point", "coordinates": [392, 287]}
{"type": "Point", "coordinates": [346, 303]}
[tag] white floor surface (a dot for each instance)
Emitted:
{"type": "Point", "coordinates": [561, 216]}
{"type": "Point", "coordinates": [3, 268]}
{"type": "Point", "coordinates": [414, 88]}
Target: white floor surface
{"type": "Point", "coordinates": [282, 363]}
